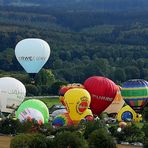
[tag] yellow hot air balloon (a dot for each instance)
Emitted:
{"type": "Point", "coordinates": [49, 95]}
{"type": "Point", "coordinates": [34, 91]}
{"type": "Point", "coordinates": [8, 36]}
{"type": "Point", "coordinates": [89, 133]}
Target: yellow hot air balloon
{"type": "Point", "coordinates": [128, 114]}
{"type": "Point", "coordinates": [88, 115]}
{"type": "Point", "coordinates": [77, 101]}
{"type": "Point", "coordinates": [116, 105]}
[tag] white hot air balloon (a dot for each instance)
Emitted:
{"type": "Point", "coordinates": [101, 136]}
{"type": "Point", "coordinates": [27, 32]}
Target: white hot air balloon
{"type": "Point", "coordinates": [12, 93]}
{"type": "Point", "coordinates": [58, 112]}
{"type": "Point", "coordinates": [32, 54]}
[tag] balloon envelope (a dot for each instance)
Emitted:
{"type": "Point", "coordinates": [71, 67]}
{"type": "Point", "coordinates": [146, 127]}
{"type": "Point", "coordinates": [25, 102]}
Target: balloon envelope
{"type": "Point", "coordinates": [33, 109]}
{"type": "Point", "coordinates": [77, 101]}
{"type": "Point", "coordinates": [65, 88]}
{"type": "Point", "coordinates": [135, 93]}
{"type": "Point", "coordinates": [12, 93]}
{"type": "Point", "coordinates": [102, 91]}
{"type": "Point", "coordinates": [122, 124]}
{"type": "Point", "coordinates": [126, 114]}
{"type": "Point", "coordinates": [62, 120]}
{"type": "Point", "coordinates": [58, 112]}
{"type": "Point", "coordinates": [87, 115]}
{"type": "Point", "coordinates": [116, 105]}
{"type": "Point", "coordinates": [32, 54]}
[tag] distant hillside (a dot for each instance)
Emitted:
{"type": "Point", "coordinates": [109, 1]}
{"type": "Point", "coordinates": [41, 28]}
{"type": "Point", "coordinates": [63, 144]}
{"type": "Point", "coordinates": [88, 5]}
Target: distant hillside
{"type": "Point", "coordinates": [87, 37]}
{"type": "Point", "coordinates": [83, 5]}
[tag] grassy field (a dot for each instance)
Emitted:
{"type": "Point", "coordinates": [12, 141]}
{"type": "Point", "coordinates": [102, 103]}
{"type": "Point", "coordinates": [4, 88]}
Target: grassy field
{"type": "Point", "coordinates": [49, 101]}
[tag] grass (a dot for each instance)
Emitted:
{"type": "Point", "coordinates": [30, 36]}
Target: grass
{"type": "Point", "coordinates": [49, 101]}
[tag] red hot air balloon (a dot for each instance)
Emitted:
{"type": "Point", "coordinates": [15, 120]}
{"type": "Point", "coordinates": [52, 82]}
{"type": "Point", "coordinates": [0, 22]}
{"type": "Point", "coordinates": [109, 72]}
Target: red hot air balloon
{"type": "Point", "coordinates": [102, 91]}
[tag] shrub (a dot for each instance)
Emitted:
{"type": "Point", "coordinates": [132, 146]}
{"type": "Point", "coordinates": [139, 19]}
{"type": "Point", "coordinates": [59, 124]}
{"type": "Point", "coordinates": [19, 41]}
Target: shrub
{"type": "Point", "coordinates": [91, 126]}
{"type": "Point", "coordinates": [28, 141]}
{"type": "Point", "coordinates": [145, 145]}
{"type": "Point", "coordinates": [29, 126]}
{"type": "Point", "coordinates": [145, 129]}
{"type": "Point", "coordinates": [44, 89]}
{"type": "Point", "coordinates": [100, 138]}
{"type": "Point", "coordinates": [131, 134]}
{"type": "Point", "coordinates": [32, 90]}
{"type": "Point", "coordinates": [38, 141]}
{"type": "Point", "coordinates": [69, 139]}
{"type": "Point", "coordinates": [113, 130]}
{"type": "Point", "coordinates": [56, 86]}
{"type": "Point", "coordinates": [145, 113]}
{"type": "Point", "coordinates": [65, 128]}
{"type": "Point", "coordinates": [9, 126]}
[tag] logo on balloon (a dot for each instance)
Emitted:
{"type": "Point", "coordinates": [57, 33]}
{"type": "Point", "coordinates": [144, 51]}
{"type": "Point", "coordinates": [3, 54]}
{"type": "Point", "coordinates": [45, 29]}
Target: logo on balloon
{"type": "Point", "coordinates": [102, 97]}
{"type": "Point", "coordinates": [32, 58]}
{"type": "Point", "coordinates": [82, 105]}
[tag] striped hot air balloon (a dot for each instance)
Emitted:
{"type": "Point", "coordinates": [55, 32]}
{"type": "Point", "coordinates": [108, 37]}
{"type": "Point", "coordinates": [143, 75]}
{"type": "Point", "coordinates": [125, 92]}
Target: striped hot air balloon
{"type": "Point", "coordinates": [135, 93]}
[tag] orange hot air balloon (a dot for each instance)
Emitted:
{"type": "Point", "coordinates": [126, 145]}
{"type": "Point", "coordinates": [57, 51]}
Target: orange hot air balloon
{"type": "Point", "coordinates": [122, 124]}
{"type": "Point", "coordinates": [117, 103]}
{"type": "Point", "coordinates": [102, 91]}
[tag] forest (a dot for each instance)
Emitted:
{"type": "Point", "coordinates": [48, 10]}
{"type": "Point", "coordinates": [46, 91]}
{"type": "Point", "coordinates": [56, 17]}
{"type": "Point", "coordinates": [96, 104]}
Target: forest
{"type": "Point", "coordinates": [83, 43]}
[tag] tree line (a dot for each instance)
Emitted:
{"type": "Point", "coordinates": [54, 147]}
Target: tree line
{"type": "Point", "coordinates": [116, 51]}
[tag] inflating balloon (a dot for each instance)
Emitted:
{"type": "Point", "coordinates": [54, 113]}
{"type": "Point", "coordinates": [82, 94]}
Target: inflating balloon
{"type": "Point", "coordinates": [62, 120]}
{"type": "Point", "coordinates": [122, 124]}
{"type": "Point", "coordinates": [58, 112]}
{"type": "Point", "coordinates": [102, 91]}
{"type": "Point", "coordinates": [65, 88]}
{"type": "Point", "coordinates": [33, 109]}
{"type": "Point", "coordinates": [32, 54]}
{"type": "Point", "coordinates": [77, 101]}
{"type": "Point", "coordinates": [12, 93]}
{"type": "Point", "coordinates": [116, 105]}
{"type": "Point", "coordinates": [135, 93]}
{"type": "Point", "coordinates": [128, 114]}
{"type": "Point", "coordinates": [87, 115]}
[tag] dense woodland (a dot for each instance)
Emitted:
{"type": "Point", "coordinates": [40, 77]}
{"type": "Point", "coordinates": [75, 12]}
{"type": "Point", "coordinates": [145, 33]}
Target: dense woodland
{"type": "Point", "coordinates": [83, 43]}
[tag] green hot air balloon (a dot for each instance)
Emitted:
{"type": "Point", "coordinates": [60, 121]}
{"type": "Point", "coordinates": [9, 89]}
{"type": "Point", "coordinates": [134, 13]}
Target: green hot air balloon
{"type": "Point", "coordinates": [33, 109]}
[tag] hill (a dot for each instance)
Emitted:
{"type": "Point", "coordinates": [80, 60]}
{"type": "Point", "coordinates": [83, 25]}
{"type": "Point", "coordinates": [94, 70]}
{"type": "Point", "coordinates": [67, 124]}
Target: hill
{"type": "Point", "coordinates": [83, 5]}
{"type": "Point", "coordinates": [83, 43]}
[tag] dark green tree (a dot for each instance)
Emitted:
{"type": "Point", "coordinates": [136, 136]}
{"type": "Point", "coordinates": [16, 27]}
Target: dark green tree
{"type": "Point", "coordinates": [100, 138]}
{"type": "Point", "coordinates": [69, 139]}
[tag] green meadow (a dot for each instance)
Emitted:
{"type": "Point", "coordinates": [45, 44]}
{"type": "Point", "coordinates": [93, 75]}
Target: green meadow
{"type": "Point", "coordinates": [49, 101]}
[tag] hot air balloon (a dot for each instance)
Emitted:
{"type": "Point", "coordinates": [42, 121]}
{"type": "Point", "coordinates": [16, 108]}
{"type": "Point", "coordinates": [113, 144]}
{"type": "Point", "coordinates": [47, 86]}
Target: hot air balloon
{"type": "Point", "coordinates": [62, 120]}
{"type": "Point", "coordinates": [77, 101]}
{"type": "Point", "coordinates": [135, 93]}
{"type": "Point", "coordinates": [116, 105]}
{"type": "Point", "coordinates": [12, 93]}
{"type": "Point", "coordinates": [127, 114]}
{"type": "Point", "coordinates": [58, 112]}
{"type": "Point", "coordinates": [32, 54]}
{"type": "Point", "coordinates": [33, 109]}
{"type": "Point", "coordinates": [102, 91]}
{"type": "Point", "coordinates": [87, 115]}
{"type": "Point", "coordinates": [65, 88]}
{"type": "Point", "coordinates": [122, 124]}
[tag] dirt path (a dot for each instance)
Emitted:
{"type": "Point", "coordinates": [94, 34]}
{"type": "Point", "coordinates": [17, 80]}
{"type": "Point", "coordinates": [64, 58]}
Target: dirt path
{"type": "Point", "coordinates": [127, 146]}
{"type": "Point", "coordinates": [5, 141]}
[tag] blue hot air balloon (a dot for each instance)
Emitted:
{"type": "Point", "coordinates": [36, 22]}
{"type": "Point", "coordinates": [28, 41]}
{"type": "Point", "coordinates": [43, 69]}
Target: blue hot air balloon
{"type": "Point", "coordinates": [32, 54]}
